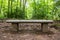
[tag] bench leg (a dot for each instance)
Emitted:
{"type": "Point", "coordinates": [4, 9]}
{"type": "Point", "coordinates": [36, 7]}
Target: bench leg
{"type": "Point", "coordinates": [44, 27]}
{"type": "Point", "coordinates": [16, 26]}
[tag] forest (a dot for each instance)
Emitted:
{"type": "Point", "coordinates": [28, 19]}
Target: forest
{"type": "Point", "coordinates": [30, 9]}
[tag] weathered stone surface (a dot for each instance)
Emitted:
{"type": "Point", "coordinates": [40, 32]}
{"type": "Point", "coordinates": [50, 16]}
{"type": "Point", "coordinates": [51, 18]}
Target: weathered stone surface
{"type": "Point", "coordinates": [45, 27]}
{"type": "Point", "coordinates": [31, 23]}
{"type": "Point", "coordinates": [30, 26]}
{"type": "Point", "coordinates": [39, 21]}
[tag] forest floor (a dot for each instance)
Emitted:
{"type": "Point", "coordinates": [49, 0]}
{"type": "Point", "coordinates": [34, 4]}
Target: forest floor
{"type": "Point", "coordinates": [5, 34]}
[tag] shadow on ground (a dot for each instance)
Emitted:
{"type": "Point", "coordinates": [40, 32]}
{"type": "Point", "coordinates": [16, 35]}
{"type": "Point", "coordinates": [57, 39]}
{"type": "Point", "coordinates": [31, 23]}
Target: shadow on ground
{"type": "Point", "coordinates": [36, 32]}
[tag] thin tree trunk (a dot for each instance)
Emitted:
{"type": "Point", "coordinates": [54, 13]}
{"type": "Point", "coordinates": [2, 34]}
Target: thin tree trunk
{"type": "Point", "coordinates": [20, 3]}
{"type": "Point", "coordinates": [1, 5]}
{"type": "Point", "coordinates": [35, 6]}
{"type": "Point", "coordinates": [8, 9]}
{"type": "Point", "coordinates": [16, 13]}
{"type": "Point", "coordinates": [11, 9]}
{"type": "Point", "coordinates": [24, 8]}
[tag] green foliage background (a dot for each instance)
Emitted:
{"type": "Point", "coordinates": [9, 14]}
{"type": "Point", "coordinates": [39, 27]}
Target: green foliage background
{"type": "Point", "coordinates": [30, 9]}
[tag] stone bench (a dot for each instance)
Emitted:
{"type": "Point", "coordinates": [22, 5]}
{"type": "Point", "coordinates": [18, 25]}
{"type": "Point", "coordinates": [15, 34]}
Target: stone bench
{"type": "Point", "coordinates": [44, 23]}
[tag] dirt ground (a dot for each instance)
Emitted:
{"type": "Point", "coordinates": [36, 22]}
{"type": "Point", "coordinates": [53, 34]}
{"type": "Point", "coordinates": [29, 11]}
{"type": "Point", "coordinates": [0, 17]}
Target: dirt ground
{"type": "Point", "coordinates": [6, 34]}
